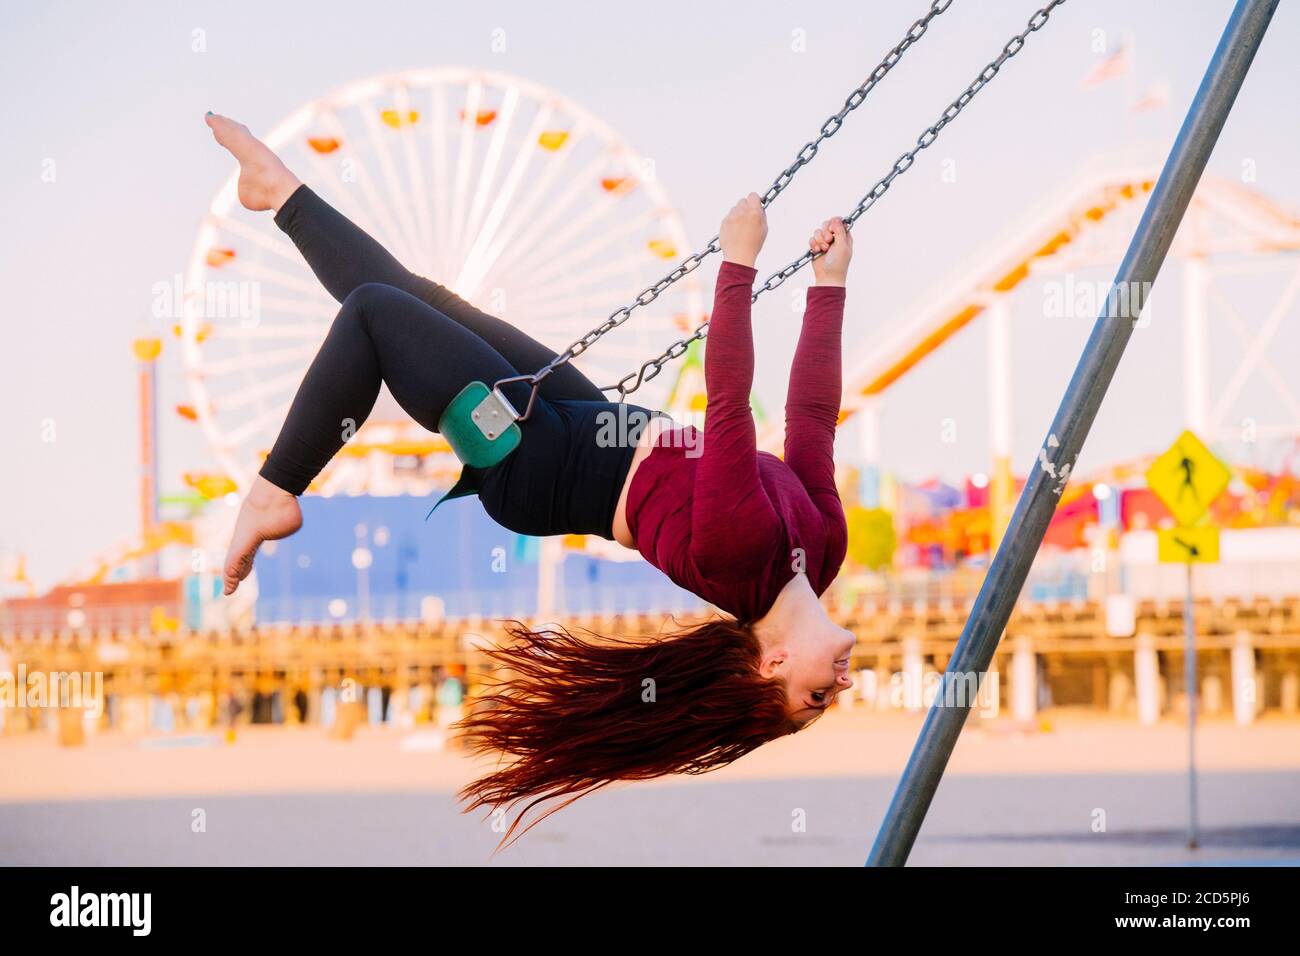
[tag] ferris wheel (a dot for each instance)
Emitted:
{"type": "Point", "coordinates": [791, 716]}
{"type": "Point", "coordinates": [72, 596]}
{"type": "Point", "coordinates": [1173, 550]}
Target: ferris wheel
{"type": "Point", "coordinates": [517, 199]}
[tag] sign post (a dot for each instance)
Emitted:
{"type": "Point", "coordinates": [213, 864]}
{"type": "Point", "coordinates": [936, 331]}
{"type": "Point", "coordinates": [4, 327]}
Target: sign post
{"type": "Point", "coordinates": [1187, 478]}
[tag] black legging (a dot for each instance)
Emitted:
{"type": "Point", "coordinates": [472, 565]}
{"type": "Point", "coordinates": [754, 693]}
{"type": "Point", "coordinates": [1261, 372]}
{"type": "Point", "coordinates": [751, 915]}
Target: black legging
{"type": "Point", "coordinates": [426, 344]}
{"type": "Point", "coordinates": [421, 339]}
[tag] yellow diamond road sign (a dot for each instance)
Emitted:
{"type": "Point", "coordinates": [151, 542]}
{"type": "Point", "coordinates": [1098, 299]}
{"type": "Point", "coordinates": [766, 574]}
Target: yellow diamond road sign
{"type": "Point", "coordinates": [1187, 478]}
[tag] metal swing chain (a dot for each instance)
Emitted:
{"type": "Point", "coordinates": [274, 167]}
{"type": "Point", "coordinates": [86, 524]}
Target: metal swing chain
{"type": "Point", "coordinates": [692, 262]}
{"type": "Point", "coordinates": [634, 380]}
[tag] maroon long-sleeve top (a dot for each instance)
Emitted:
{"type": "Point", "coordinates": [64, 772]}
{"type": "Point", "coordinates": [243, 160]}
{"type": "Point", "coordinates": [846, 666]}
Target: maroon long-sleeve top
{"type": "Point", "coordinates": [729, 522]}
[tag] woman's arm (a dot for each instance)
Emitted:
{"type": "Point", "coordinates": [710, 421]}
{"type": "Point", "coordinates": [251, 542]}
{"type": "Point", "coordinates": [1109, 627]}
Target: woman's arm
{"type": "Point", "coordinates": [733, 524]}
{"type": "Point", "coordinates": [812, 405]}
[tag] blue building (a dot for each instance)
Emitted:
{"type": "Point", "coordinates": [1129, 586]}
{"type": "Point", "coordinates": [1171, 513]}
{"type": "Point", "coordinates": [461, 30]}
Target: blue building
{"type": "Point", "coordinates": [379, 558]}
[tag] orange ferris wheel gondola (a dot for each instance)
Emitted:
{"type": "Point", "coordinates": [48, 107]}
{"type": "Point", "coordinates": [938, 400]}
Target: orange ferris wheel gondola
{"type": "Point", "coordinates": [397, 118]}
{"type": "Point", "coordinates": [324, 145]}
{"type": "Point", "coordinates": [481, 117]}
{"type": "Point", "coordinates": [552, 140]}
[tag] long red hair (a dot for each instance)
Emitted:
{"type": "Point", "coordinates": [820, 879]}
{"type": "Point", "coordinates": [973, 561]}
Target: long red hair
{"type": "Point", "coordinates": [575, 713]}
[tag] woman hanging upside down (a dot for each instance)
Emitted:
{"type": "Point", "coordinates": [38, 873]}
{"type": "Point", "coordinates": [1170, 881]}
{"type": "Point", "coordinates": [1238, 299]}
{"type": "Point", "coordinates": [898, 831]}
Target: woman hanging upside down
{"type": "Point", "coordinates": [755, 536]}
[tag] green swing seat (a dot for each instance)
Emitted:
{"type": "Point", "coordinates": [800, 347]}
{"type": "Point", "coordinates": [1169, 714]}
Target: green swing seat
{"type": "Point", "coordinates": [480, 426]}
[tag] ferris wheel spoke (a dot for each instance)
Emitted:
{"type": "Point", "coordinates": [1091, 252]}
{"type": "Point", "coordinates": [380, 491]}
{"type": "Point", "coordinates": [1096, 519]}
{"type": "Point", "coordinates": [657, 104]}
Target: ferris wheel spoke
{"type": "Point", "coordinates": [539, 230]}
{"type": "Point", "coordinates": [255, 394]}
{"type": "Point", "coordinates": [405, 224]}
{"type": "Point", "coordinates": [389, 235]}
{"type": "Point", "coordinates": [303, 284]}
{"type": "Point", "coordinates": [488, 169]}
{"type": "Point", "coordinates": [613, 350]}
{"type": "Point", "coordinates": [268, 419]}
{"type": "Point", "coordinates": [464, 159]}
{"type": "Point", "coordinates": [504, 195]}
{"type": "Point", "coordinates": [256, 360]}
{"type": "Point", "coordinates": [606, 287]}
{"type": "Point", "coordinates": [616, 272]}
{"type": "Point", "coordinates": [441, 206]}
{"type": "Point", "coordinates": [415, 175]}
{"type": "Point", "coordinates": [613, 275]}
{"type": "Point", "coordinates": [477, 262]}
{"type": "Point", "coordinates": [607, 280]}
{"type": "Point", "coordinates": [523, 212]}
{"type": "Point", "coordinates": [311, 331]}
{"type": "Point", "coordinates": [538, 268]}
{"type": "Point", "coordinates": [322, 310]}
{"type": "Point", "coordinates": [575, 310]}
{"type": "Point", "coordinates": [510, 184]}
{"type": "Point", "coordinates": [578, 304]}
{"type": "Point", "coordinates": [526, 232]}
{"type": "Point", "coordinates": [274, 243]}
{"type": "Point", "coordinates": [339, 195]}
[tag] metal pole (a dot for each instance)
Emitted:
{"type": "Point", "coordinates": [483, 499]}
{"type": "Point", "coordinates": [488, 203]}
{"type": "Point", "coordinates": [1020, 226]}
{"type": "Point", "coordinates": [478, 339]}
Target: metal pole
{"type": "Point", "coordinates": [1001, 588]}
{"type": "Point", "coordinates": [1189, 678]}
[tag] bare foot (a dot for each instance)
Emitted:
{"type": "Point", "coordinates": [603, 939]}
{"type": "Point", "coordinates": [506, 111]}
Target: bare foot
{"type": "Point", "coordinates": [264, 181]}
{"type": "Point", "coordinates": [268, 514]}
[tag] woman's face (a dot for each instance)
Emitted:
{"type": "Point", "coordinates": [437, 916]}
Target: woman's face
{"type": "Point", "coordinates": [814, 662]}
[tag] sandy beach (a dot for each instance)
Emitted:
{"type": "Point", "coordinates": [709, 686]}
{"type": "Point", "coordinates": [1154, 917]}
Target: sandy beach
{"type": "Point", "coordinates": [1078, 790]}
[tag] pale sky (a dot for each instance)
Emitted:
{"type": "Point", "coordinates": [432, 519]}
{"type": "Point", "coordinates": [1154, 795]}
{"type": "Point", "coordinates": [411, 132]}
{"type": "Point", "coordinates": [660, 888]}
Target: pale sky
{"type": "Point", "coordinates": [111, 98]}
